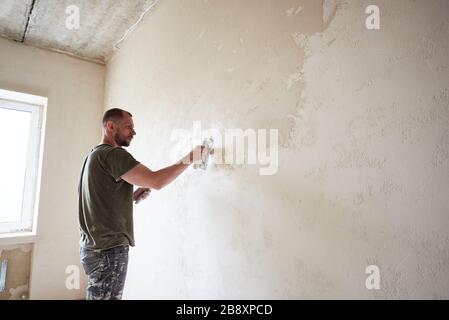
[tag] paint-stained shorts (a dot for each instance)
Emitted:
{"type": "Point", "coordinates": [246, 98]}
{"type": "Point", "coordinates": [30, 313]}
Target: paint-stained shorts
{"type": "Point", "coordinates": [106, 272]}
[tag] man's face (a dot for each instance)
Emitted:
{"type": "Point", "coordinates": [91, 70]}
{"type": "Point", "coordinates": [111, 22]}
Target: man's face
{"type": "Point", "coordinates": [124, 131]}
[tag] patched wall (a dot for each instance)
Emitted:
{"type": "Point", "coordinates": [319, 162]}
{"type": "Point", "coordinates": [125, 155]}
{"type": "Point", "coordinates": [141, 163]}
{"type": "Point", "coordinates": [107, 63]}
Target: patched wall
{"type": "Point", "coordinates": [17, 278]}
{"type": "Point", "coordinates": [363, 148]}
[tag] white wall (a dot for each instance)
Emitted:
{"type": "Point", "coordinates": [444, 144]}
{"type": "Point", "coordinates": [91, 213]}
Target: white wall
{"type": "Point", "coordinates": [362, 117]}
{"type": "Point", "coordinates": [75, 104]}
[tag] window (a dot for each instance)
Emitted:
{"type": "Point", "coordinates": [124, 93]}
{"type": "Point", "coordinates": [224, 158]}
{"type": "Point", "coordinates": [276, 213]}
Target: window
{"type": "Point", "coordinates": [21, 131]}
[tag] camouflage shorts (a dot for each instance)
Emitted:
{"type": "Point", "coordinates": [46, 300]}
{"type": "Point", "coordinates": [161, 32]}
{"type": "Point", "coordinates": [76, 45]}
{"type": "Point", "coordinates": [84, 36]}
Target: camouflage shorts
{"type": "Point", "coordinates": [106, 272]}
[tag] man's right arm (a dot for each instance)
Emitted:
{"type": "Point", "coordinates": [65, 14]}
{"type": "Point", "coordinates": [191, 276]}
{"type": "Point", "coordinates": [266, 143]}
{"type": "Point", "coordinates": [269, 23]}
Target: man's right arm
{"type": "Point", "coordinates": [142, 176]}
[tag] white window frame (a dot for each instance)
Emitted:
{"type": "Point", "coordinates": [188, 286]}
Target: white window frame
{"type": "Point", "coordinates": [37, 106]}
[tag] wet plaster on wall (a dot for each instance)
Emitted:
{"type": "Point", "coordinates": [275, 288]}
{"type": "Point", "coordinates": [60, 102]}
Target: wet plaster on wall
{"type": "Point", "coordinates": [18, 271]}
{"type": "Point", "coordinates": [222, 66]}
{"type": "Point", "coordinates": [263, 59]}
{"type": "Point", "coordinates": [362, 158]}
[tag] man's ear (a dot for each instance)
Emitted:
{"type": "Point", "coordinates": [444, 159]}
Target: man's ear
{"type": "Point", "coordinates": [110, 125]}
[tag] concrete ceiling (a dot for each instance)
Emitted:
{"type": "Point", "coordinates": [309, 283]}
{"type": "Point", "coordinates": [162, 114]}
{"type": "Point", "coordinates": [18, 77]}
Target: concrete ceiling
{"type": "Point", "coordinates": [103, 24]}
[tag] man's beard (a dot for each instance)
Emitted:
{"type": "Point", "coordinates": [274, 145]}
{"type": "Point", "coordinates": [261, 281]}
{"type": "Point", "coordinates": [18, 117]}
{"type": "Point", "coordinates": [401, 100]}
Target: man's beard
{"type": "Point", "coordinates": [121, 142]}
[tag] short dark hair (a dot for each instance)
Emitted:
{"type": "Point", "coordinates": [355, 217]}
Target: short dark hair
{"type": "Point", "coordinates": [114, 114]}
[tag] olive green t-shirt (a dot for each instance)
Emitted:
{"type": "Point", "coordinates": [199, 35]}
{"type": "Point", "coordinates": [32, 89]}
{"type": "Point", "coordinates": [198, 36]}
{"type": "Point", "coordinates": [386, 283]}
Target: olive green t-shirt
{"type": "Point", "coordinates": [105, 200]}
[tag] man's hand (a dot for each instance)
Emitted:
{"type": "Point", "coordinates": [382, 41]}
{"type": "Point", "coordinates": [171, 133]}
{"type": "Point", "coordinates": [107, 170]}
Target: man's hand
{"type": "Point", "coordinates": [141, 194]}
{"type": "Point", "coordinates": [195, 155]}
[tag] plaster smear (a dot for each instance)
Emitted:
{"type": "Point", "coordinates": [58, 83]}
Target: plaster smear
{"type": "Point", "coordinates": [363, 167]}
{"type": "Point", "coordinates": [19, 293]}
{"type": "Point", "coordinates": [293, 11]}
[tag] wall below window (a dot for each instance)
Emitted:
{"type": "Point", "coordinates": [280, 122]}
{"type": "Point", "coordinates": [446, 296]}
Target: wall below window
{"type": "Point", "coordinates": [75, 103]}
{"type": "Point", "coordinates": [18, 271]}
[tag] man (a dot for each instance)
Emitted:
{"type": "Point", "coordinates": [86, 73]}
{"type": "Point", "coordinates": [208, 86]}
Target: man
{"type": "Point", "coordinates": [105, 203]}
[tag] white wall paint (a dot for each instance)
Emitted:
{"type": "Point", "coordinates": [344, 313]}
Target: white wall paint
{"type": "Point", "coordinates": [75, 101]}
{"type": "Point", "coordinates": [364, 159]}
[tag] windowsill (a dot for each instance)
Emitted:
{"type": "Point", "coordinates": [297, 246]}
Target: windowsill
{"type": "Point", "coordinates": [17, 238]}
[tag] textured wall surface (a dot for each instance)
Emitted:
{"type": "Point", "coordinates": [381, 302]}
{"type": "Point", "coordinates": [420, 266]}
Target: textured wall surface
{"type": "Point", "coordinates": [87, 29]}
{"type": "Point", "coordinates": [363, 148]}
{"type": "Point", "coordinates": [75, 97]}
{"type": "Point", "coordinates": [13, 18]}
